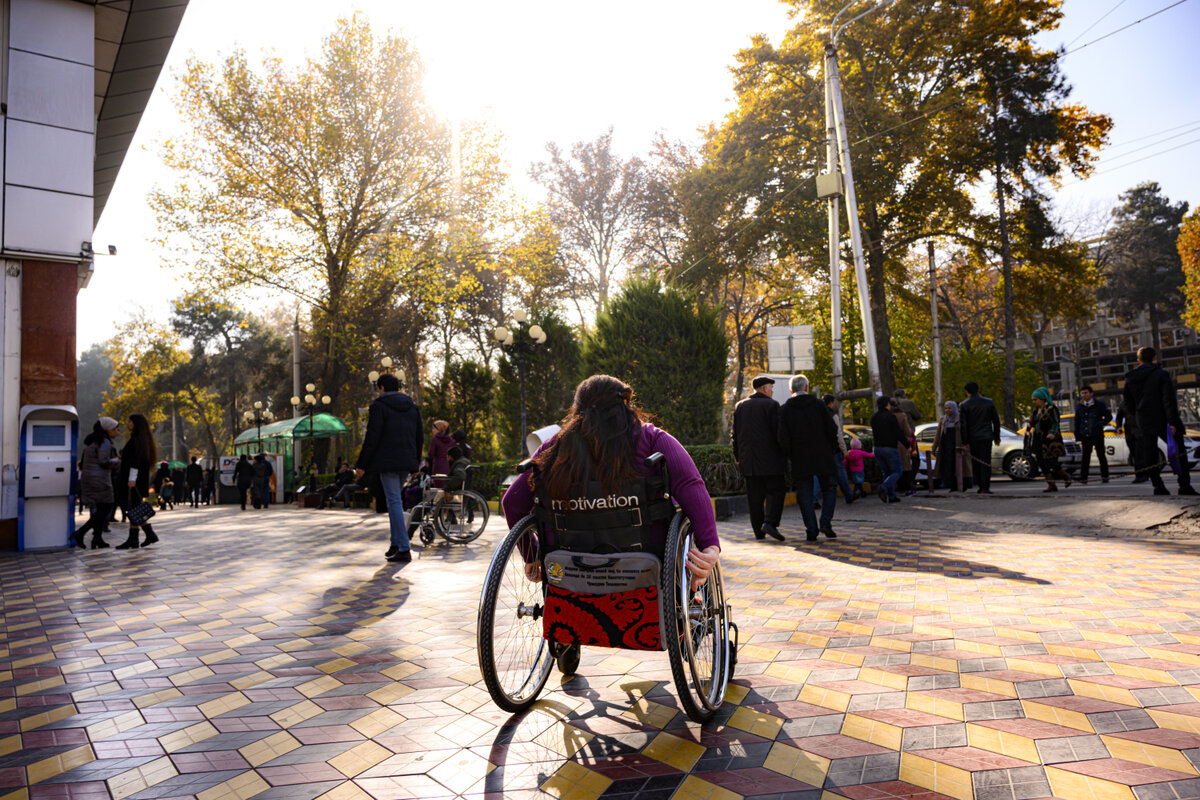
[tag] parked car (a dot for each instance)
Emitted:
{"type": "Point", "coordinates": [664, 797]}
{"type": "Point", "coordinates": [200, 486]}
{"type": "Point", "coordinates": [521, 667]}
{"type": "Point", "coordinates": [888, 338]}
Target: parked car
{"type": "Point", "coordinates": [1009, 458]}
{"type": "Point", "coordinates": [1117, 450]}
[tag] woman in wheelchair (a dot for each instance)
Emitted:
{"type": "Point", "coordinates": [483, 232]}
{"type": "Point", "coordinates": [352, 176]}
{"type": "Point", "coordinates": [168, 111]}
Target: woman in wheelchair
{"type": "Point", "coordinates": [593, 492]}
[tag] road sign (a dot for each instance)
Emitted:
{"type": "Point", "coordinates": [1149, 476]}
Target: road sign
{"type": "Point", "coordinates": [790, 348]}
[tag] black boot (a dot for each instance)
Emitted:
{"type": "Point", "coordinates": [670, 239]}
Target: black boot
{"type": "Point", "coordinates": [131, 543]}
{"type": "Point", "coordinates": [151, 537]}
{"type": "Point", "coordinates": [97, 541]}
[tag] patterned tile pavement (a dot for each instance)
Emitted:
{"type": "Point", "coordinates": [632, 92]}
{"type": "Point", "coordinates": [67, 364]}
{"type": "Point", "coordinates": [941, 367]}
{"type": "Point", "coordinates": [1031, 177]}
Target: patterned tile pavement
{"type": "Point", "coordinates": [275, 655]}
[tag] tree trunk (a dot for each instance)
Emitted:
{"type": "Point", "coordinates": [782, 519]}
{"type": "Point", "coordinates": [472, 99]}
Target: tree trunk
{"type": "Point", "coordinates": [1010, 327]}
{"type": "Point", "coordinates": [1155, 337]}
{"type": "Point", "coordinates": [879, 312]}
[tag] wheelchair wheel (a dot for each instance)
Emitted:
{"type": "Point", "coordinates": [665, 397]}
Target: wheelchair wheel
{"type": "Point", "coordinates": [695, 628]}
{"type": "Point", "coordinates": [514, 658]}
{"type": "Point", "coordinates": [462, 521]}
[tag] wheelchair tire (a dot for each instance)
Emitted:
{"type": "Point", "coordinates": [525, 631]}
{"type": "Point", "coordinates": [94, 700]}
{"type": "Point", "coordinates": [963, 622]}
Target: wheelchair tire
{"type": "Point", "coordinates": [463, 521]}
{"type": "Point", "coordinates": [567, 659]}
{"type": "Point", "coordinates": [514, 658]}
{"type": "Point", "coordinates": [695, 629]}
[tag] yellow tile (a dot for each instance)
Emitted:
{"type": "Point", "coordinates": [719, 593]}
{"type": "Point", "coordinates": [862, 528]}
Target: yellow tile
{"type": "Point", "coordinates": [575, 782]}
{"type": "Point", "coordinates": [796, 763]}
{"type": "Point", "coordinates": [336, 665]}
{"type": "Point", "coordinates": [274, 661]}
{"type": "Point", "coordinates": [825, 697]}
{"type": "Point", "coordinates": [141, 778]}
{"type": "Point", "coordinates": [873, 731]}
{"type": "Point", "coordinates": [19, 794]}
{"type": "Point", "coordinates": [390, 693]}
{"type": "Point", "coordinates": [10, 744]}
{"type": "Point", "coordinates": [1072, 784]}
{"type": "Point", "coordinates": [937, 777]}
{"type": "Point", "coordinates": [1155, 756]}
{"type": "Point", "coordinates": [1058, 716]}
{"type": "Point", "coordinates": [301, 711]}
{"type": "Point", "coordinates": [1040, 667]}
{"type": "Point", "coordinates": [239, 787]}
{"type": "Point", "coordinates": [694, 788]}
{"type": "Point", "coordinates": [781, 670]}
{"type": "Point", "coordinates": [735, 693]}
{"type": "Point", "coordinates": [360, 758]}
{"type": "Point", "coordinates": [191, 676]}
{"type": "Point", "coordinates": [270, 748]}
{"type": "Point", "coordinates": [114, 725]}
{"type": "Point", "coordinates": [346, 791]}
{"type": "Point", "coordinates": [218, 656]}
{"type": "Point", "coordinates": [46, 717]}
{"type": "Point", "coordinates": [650, 713]}
{"type": "Point", "coordinates": [166, 652]}
{"type": "Point", "coordinates": [294, 644]}
{"type": "Point", "coordinates": [92, 692]}
{"type": "Point", "coordinates": [679, 753]}
{"type": "Point", "coordinates": [1003, 742]}
{"type": "Point", "coordinates": [352, 648]}
{"type": "Point", "coordinates": [223, 705]}
{"type": "Point", "coordinates": [57, 765]}
{"type": "Point", "coordinates": [378, 721]}
{"type": "Point", "coordinates": [251, 680]}
{"type": "Point", "coordinates": [1145, 673]}
{"type": "Point", "coordinates": [134, 669]}
{"type": "Point", "coordinates": [177, 740]}
{"type": "Point", "coordinates": [1174, 721]}
{"type": "Point", "coordinates": [941, 706]}
{"type": "Point", "coordinates": [401, 671]}
{"type": "Point", "coordinates": [40, 686]}
{"type": "Point", "coordinates": [1101, 691]}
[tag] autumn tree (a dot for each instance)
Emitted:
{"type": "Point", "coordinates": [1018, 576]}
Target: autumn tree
{"type": "Point", "coordinates": [1188, 245]}
{"type": "Point", "coordinates": [552, 371]}
{"type": "Point", "coordinates": [592, 202]}
{"type": "Point", "coordinates": [1144, 270]}
{"type": "Point", "coordinates": [330, 182]}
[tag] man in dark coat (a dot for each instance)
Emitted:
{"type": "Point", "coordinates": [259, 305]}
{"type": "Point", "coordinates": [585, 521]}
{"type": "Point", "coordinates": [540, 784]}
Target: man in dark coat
{"type": "Point", "coordinates": [243, 476]}
{"type": "Point", "coordinates": [808, 436]}
{"type": "Point", "coordinates": [1126, 422]}
{"type": "Point", "coordinates": [1150, 397]}
{"type": "Point", "coordinates": [981, 429]}
{"type": "Point", "coordinates": [1091, 415]}
{"type": "Point", "coordinates": [392, 449]}
{"type": "Point", "coordinates": [195, 482]}
{"type": "Point", "coordinates": [756, 449]}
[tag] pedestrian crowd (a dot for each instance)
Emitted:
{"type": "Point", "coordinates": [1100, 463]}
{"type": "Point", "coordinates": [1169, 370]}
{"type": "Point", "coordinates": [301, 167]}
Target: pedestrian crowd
{"type": "Point", "coordinates": [806, 433]}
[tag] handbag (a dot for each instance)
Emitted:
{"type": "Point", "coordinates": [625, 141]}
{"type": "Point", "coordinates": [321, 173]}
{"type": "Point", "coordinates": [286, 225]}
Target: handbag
{"type": "Point", "coordinates": [140, 514]}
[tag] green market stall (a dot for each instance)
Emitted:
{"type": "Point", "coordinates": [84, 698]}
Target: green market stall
{"type": "Point", "coordinates": [279, 436]}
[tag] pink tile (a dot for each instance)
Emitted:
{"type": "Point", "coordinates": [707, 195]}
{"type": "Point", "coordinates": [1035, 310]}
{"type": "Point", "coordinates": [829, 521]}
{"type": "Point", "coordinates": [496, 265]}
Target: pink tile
{"type": "Point", "coordinates": [1126, 773]}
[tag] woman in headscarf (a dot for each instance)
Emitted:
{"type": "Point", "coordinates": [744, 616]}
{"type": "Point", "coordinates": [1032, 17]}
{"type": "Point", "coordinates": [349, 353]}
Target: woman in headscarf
{"type": "Point", "coordinates": [952, 463]}
{"type": "Point", "coordinates": [1046, 438]}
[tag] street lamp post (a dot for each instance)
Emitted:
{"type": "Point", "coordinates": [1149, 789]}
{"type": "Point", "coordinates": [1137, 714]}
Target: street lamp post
{"type": "Point", "coordinates": [308, 405]}
{"type": "Point", "coordinates": [256, 417]}
{"type": "Point", "coordinates": [511, 341]}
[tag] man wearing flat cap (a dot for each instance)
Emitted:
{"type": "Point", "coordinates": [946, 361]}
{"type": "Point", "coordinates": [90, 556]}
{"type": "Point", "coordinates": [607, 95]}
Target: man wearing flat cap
{"type": "Point", "coordinates": [761, 461]}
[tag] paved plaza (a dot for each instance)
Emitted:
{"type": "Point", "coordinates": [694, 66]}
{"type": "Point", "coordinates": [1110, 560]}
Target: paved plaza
{"type": "Point", "coordinates": [276, 655]}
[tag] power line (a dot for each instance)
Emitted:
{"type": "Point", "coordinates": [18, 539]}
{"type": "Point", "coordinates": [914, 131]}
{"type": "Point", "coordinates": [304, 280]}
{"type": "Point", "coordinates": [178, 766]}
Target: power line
{"type": "Point", "coordinates": [1152, 135]}
{"type": "Point", "coordinates": [1136, 161]}
{"type": "Point", "coordinates": [1192, 129]}
{"type": "Point", "coordinates": [1125, 27]}
{"type": "Point", "coordinates": [1097, 22]}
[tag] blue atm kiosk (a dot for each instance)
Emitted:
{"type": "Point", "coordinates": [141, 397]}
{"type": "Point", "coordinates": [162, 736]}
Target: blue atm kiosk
{"type": "Point", "coordinates": [47, 484]}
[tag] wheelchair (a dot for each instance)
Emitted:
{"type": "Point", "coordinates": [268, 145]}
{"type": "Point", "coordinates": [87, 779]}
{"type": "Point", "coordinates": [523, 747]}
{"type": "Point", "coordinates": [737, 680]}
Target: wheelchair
{"type": "Point", "coordinates": [460, 516]}
{"type": "Point", "coordinates": [516, 652]}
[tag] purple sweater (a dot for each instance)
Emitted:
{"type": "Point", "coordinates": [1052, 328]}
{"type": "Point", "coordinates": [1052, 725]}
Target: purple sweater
{"type": "Point", "coordinates": [687, 487]}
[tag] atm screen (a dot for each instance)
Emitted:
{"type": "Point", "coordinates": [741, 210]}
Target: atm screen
{"type": "Point", "coordinates": [49, 436]}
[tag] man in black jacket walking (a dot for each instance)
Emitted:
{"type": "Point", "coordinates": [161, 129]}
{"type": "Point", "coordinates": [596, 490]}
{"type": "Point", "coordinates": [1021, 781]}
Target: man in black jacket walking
{"type": "Point", "coordinates": [808, 437]}
{"type": "Point", "coordinates": [756, 449]}
{"type": "Point", "coordinates": [981, 429]}
{"type": "Point", "coordinates": [195, 482]}
{"type": "Point", "coordinates": [1091, 415]}
{"type": "Point", "coordinates": [1150, 397]}
{"type": "Point", "coordinates": [392, 448]}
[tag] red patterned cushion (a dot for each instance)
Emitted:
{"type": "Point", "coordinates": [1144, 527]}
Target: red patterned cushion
{"type": "Point", "coordinates": [628, 620]}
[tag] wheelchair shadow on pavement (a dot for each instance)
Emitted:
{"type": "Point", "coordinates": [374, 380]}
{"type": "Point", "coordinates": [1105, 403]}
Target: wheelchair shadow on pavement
{"type": "Point", "coordinates": [523, 747]}
{"type": "Point", "coordinates": [897, 551]}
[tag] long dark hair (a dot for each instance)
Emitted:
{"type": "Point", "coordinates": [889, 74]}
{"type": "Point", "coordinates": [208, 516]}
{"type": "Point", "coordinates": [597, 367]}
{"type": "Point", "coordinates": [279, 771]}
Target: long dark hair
{"type": "Point", "coordinates": [98, 434]}
{"type": "Point", "coordinates": [597, 439]}
{"type": "Point", "coordinates": [142, 439]}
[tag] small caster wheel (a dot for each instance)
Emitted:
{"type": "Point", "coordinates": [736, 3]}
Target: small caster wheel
{"type": "Point", "coordinates": [568, 659]}
{"type": "Point", "coordinates": [427, 537]}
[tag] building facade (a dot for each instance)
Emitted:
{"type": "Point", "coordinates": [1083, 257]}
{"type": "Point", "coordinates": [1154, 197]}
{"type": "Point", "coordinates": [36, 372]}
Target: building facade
{"type": "Point", "coordinates": [75, 77]}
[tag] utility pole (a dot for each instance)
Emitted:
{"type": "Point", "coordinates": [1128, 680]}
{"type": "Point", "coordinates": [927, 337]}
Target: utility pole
{"type": "Point", "coordinates": [937, 336]}
{"type": "Point", "coordinates": [833, 95]}
{"type": "Point", "coordinates": [835, 261]}
{"type": "Point", "coordinates": [296, 386]}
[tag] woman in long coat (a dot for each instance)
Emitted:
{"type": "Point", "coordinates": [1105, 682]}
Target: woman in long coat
{"type": "Point", "coordinates": [96, 480]}
{"type": "Point", "coordinates": [137, 457]}
{"type": "Point", "coordinates": [952, 460]}
{"type": "Point", "coordinates": [1046, 439]}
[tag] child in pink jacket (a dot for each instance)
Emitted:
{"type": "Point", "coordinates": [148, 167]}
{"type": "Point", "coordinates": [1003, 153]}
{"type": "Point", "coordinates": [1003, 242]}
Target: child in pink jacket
{"type": "Point", "coordinates": [855, 467]}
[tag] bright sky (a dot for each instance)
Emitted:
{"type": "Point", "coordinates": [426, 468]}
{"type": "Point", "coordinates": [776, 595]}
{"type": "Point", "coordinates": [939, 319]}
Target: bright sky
{"type": "Point", "coordinates": [551, 71]}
